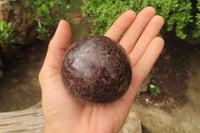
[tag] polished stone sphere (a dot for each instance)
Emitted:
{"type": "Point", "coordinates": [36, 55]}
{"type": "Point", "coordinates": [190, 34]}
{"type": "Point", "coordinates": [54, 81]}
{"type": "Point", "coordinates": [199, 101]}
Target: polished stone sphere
{"type": "Point", "coordinates": [97, 69]}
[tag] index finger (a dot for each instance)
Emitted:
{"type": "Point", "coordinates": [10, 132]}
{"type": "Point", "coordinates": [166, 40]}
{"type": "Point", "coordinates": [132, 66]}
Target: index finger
{"type": "Point", "coordinates": [121, 25]}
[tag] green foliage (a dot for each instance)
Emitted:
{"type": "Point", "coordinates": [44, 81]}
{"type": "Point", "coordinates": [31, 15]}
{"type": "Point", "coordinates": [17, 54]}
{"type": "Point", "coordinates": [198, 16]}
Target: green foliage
{"type": "Point", "coordinates": [5, 33]}
{"type": "Point", "coordinates": [42, 33]}
{"type": "Point", "coordinates": [197, 22]}
{"type": "Point", "coordinates": [181, 16]}
{"type": "Point", "coordinates": [154, 90]}
{"type": "Point", "coordinates": [47, 13]}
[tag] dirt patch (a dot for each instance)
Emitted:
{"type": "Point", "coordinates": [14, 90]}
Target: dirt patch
{"type": "Point", "coordinates": [170, 75]}
{"type": "Point", "coordinates": [19, 88]}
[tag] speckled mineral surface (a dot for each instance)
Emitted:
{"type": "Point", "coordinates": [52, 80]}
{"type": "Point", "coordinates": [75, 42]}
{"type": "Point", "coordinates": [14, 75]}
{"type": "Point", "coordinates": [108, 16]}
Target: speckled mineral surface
{"type": "Point", "coordinates": [96, 69]}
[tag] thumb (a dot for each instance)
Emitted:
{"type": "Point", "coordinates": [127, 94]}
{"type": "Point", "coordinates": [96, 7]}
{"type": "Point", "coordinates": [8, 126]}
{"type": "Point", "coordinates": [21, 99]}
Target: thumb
{"type": "Point", "coordinates": [58, 45]}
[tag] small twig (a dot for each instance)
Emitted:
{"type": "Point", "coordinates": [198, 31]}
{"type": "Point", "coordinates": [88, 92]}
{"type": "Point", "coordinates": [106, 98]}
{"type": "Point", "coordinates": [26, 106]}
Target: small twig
{"type": "Point", "coordinates": [39, 22]}
{"type": "Point", "coordinates": [3, 46]}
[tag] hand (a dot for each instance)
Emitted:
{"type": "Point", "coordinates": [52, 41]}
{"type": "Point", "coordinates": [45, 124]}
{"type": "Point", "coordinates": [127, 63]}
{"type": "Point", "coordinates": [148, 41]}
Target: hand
{"type": "Point", "coordinates": [62, 113]}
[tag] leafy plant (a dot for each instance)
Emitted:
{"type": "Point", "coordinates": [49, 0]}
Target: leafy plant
{"type": "Point", "coordinates": [5, 34]}
{"type": "Point", "coordinates": [181, 16]}
{"type": "Point", "coordinates": [197, 22]}
{"type": "Point", "coordinates": [154, 90]}
{"type": "Point", "coordinates": [47, 13]}
{"type": "Point", "coordinates": [42, 33]}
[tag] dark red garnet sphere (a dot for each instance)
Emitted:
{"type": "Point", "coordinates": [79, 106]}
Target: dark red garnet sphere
{"type": "Point", "coordinates": [96, 69]}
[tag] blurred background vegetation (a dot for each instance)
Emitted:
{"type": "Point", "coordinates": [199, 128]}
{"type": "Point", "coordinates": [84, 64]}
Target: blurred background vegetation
{"type": "Point", "coordinates": [181, 16]}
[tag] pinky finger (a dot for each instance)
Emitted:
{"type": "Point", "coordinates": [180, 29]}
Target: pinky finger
{"type": "Point", "coordinates": [144, 66]}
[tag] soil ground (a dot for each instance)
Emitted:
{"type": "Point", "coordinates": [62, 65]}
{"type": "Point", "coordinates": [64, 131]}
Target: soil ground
{"type": "Point", "coordinates": [19, 87]}
{"type": "Point", "coordinates": [177, 108]}
{"type": "Point", "coordinates": [170, 74]}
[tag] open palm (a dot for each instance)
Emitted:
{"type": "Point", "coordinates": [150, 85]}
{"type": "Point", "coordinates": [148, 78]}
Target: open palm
{"type": "Point", "coordinates": [64, 114]}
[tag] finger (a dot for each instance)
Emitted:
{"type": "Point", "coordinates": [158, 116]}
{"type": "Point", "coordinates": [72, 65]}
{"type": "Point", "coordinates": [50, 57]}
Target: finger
{"type": "Point", "coordinates": [143, 67]}
{"type": "Point", "coordinates": [135, 30]}
{"type": "Point", "coordinates": [58, 45]}
{"type": "Point", "coordinates": [121, 25]}
{"type": "Point", "coordinates": [150, 32]}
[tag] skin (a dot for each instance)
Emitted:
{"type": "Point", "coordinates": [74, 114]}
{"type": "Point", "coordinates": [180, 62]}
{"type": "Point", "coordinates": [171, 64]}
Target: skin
{"type": "Point", "coordinates": [63, 113]}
